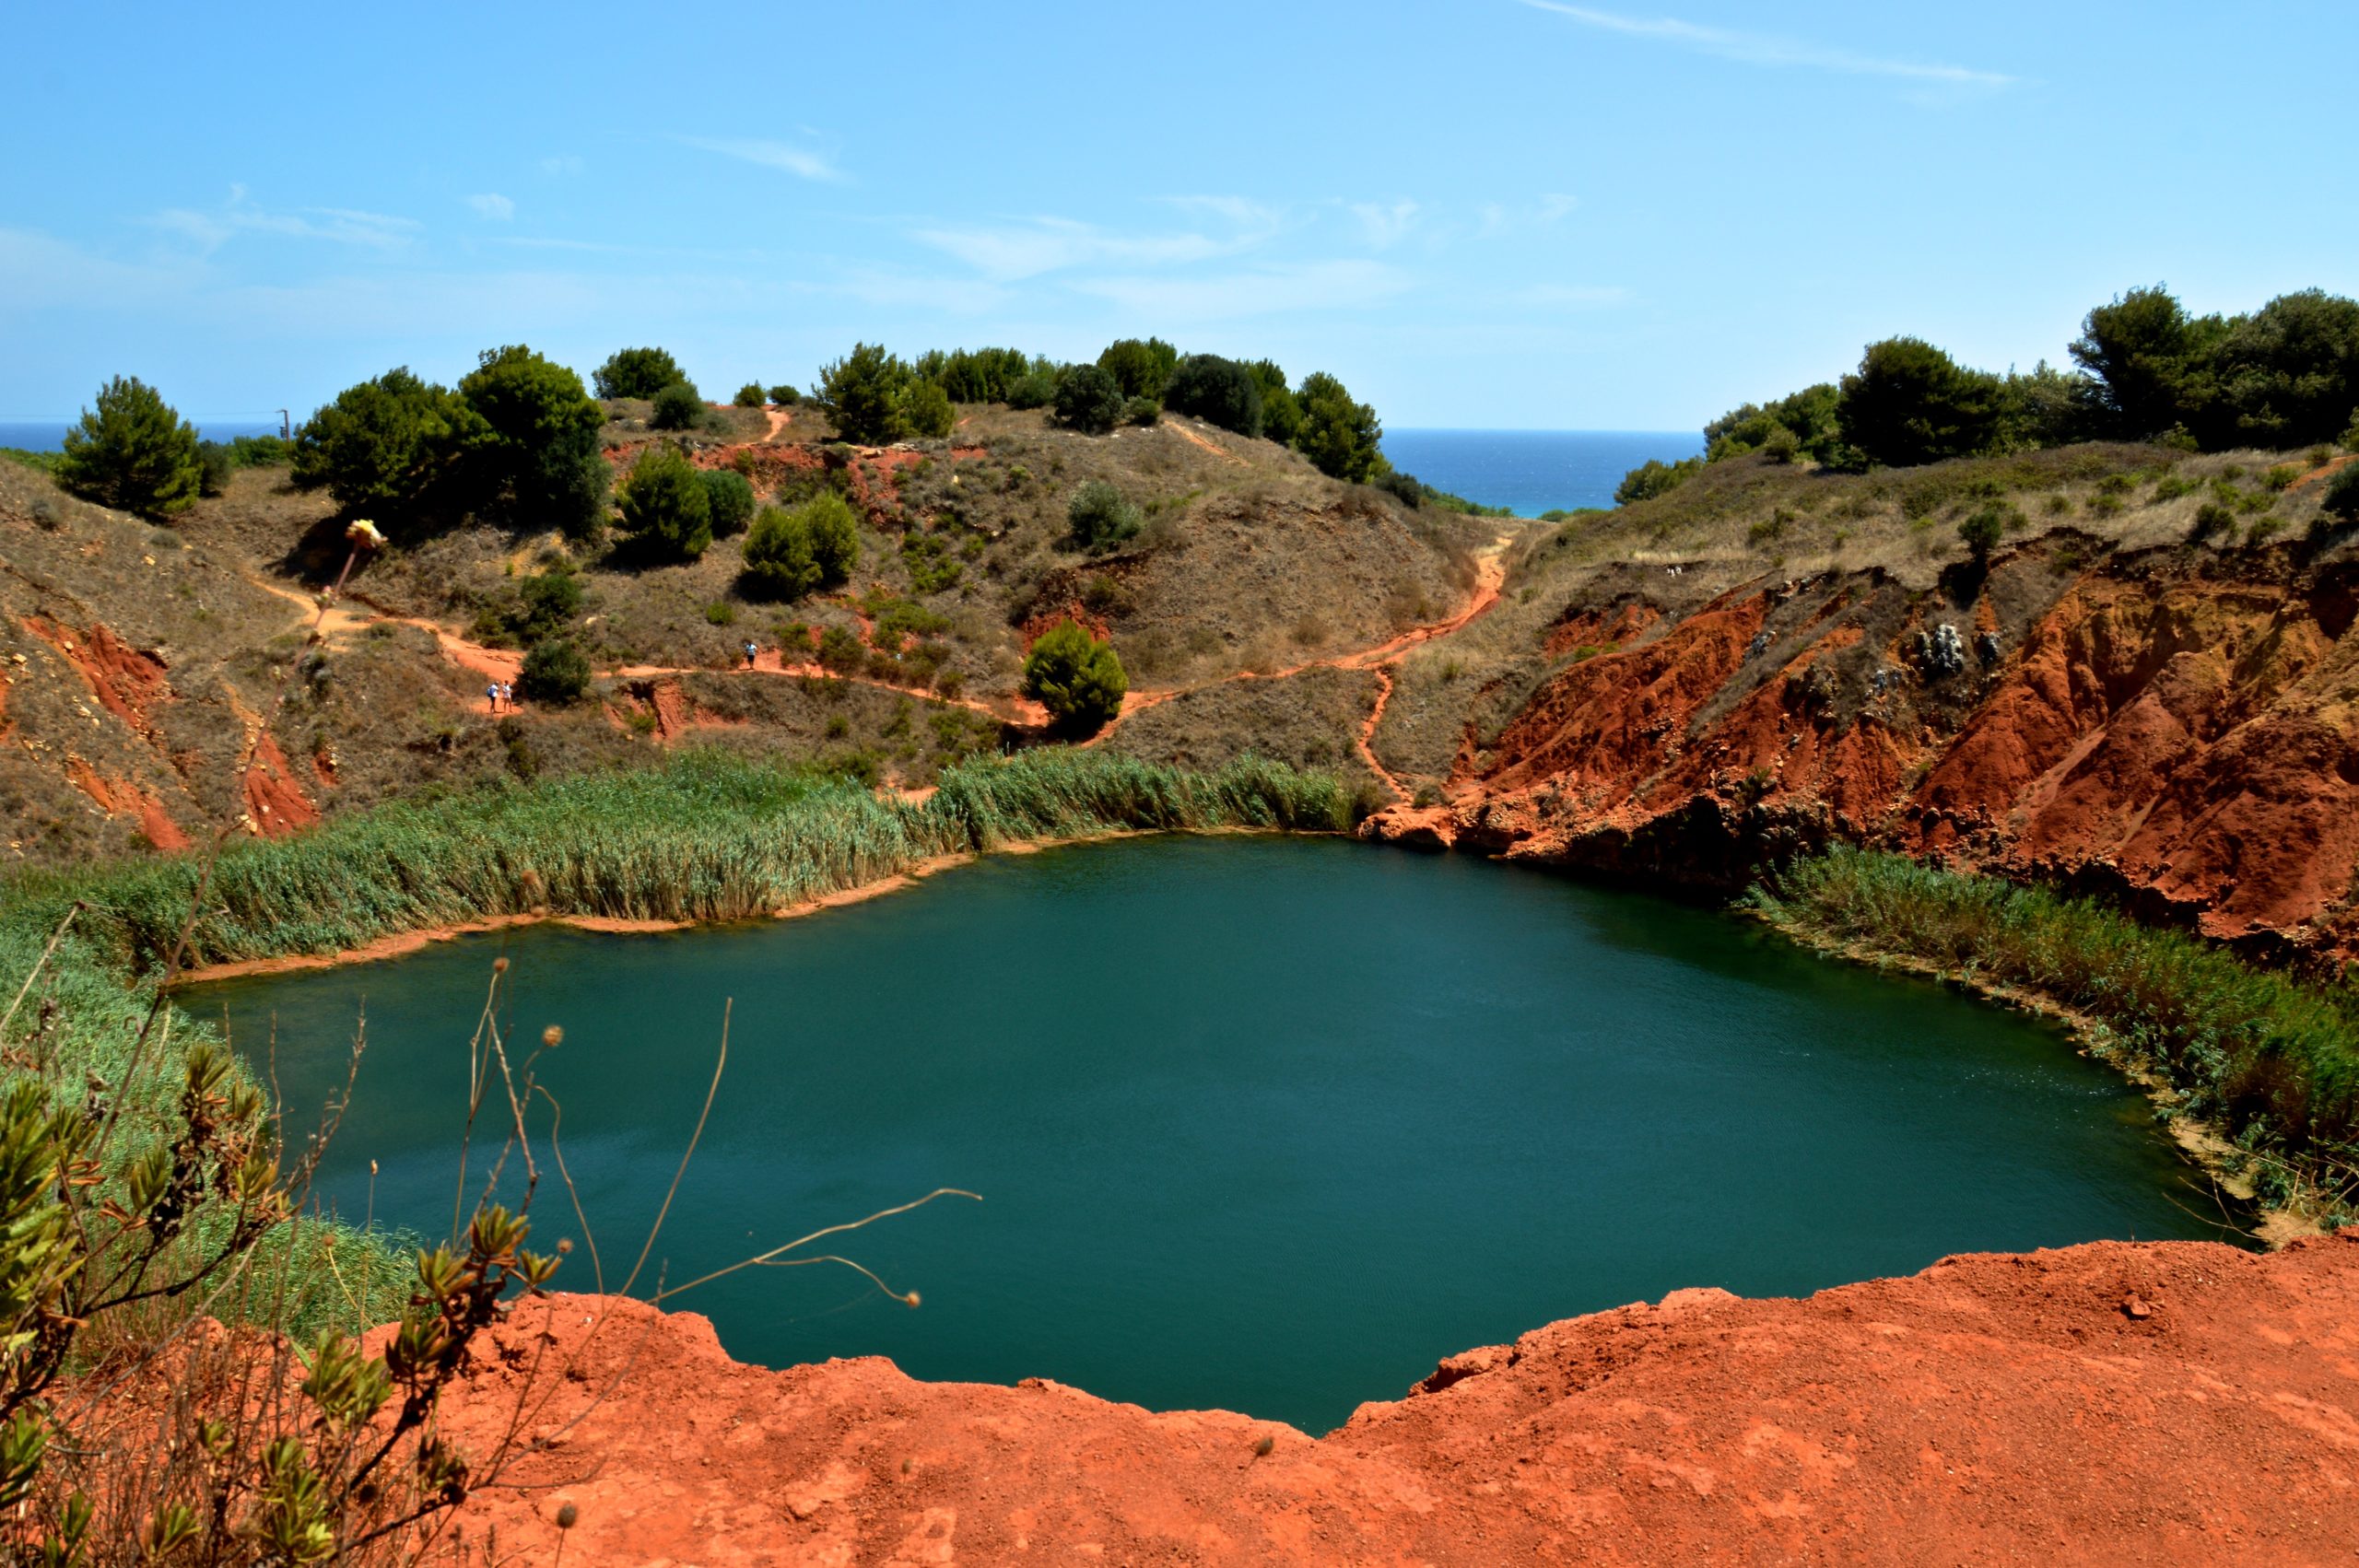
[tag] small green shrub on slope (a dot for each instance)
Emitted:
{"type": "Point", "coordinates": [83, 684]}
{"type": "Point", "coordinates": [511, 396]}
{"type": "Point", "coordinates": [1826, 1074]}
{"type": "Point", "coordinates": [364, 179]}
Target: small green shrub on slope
{"type": "Point", "coordinates": [133, 452]}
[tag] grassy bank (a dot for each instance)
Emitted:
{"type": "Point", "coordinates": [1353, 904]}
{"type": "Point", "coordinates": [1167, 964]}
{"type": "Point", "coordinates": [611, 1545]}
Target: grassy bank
{"type": "Point", "coordinates": [706, 836]}
{"type": "Point", "coordinates": [2271, 1062]}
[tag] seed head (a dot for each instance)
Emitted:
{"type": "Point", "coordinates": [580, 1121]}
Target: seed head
{"type": "Point", "coordinates": [499, 966]}
{"type": "Point", "coordinates": [551, 1036]}
{"type": "Point", "coordinates": [564, 1246]}
{"type": "Point", "coordinates": [566, 1515]}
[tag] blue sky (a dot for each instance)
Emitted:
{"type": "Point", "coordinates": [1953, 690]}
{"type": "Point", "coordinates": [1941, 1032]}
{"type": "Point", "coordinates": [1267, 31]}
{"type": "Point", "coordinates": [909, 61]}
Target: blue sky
{"type": "Point", "coordinates": [1489, 213]}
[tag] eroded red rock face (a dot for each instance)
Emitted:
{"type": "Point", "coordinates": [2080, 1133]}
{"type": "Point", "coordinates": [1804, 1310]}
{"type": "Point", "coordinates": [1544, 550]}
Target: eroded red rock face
{"type": "Point", "coordinates": [2114, 1403]}
{"type": "Point", "coordinates": [2190, 740]}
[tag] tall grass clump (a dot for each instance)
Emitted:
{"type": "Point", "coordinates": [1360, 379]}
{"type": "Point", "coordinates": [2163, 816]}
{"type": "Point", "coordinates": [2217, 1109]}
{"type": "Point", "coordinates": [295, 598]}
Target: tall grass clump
{"type": "Point", "coordinates": [705, 837]}
{"type": "Point", "coordinates": [2270, 1061]}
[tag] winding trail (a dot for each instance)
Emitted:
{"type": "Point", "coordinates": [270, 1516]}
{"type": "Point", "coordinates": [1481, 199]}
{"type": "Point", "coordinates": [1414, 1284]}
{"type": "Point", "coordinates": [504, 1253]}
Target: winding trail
{"type": "Point", "coordinates": [1383, 659]}
{"type": "Point", "coordinates": [339, 620]}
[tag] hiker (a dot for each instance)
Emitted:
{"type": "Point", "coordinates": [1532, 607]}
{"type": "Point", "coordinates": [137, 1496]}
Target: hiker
{"type": "Point", "coordinates": [507, 695]}
{"type": "Point", "coordinates": [750, 651]}
{"type": "Point", "coordinates": [491, 695]}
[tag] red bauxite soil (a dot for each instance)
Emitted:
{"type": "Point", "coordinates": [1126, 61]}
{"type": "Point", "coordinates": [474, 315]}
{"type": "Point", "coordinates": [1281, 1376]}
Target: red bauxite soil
{"type": "Point", "coordinates": [2114, 1403]}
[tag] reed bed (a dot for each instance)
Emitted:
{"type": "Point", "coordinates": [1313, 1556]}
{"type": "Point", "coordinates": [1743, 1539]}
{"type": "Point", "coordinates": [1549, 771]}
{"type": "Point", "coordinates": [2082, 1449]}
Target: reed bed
{"type": "Point", "coordinates": [705, 837]}
{"type": "Point", "coordinates": [2270, 1061]}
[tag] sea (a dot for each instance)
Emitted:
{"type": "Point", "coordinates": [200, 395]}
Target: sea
{"type": "Point", "coordinates": [49, 435]}
{"type": "Point", "coordinates": [1531, 472]}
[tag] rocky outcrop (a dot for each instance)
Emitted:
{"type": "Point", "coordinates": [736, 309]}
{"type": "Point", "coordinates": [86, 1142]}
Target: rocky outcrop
{"type": "Point", "coordinates": [2184, 733]}
{"type": "Point", "coordinates": [2113, 1403]}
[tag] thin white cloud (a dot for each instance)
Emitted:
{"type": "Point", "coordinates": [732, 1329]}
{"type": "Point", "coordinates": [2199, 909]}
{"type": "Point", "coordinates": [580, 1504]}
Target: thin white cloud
{"type": "Point", "coordinates": [1242, 211]}
{"type": "Point", "coordinates": [1762, 49]}
{"type": "Point", "coordinates": [564, 164]}
{"type": "Point", "coordinates": [1309, 286]}
{"type": "Point", "coordinates": [1007, 252]}
{"type": "Point", "coordinates": [1385, 224]}
{"type": "Point", "coordinates": [801, 162]}
{"type": "Point", "coordinates": [40, 271]}
{"type": "Point", "coordinates": [210, 229]}
{"type": "Point", "coordinates": [493, 205]}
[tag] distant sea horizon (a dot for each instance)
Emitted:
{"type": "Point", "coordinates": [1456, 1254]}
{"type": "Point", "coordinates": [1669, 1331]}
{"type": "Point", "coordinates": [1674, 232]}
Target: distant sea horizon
{"type": "Point", "coordinates": [1530, 472]}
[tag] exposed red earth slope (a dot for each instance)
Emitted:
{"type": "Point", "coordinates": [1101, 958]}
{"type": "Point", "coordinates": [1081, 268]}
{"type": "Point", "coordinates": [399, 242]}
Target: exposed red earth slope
{"type": "Point", "coordinates": [2113, 1403]}
{"type": "Point", "coordinates": [2175, 730]}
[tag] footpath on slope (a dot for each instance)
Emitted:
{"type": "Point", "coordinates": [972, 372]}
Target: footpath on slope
{"type": "Point", "coordinates": [339, 619]}
{"type": "Point", "coordinates": [2114, 1403]}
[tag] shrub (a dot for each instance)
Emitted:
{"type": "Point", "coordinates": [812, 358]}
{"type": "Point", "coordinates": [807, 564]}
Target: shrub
{"type": "Point", "coordinates": [531, 456]}
{"type": "Point", "coordinates": [1806, 418]}
{"type": "Point", "coordinates": [2141, 351]}
{"type": "Point", "coordinates": [750, 395]}
{"type": "Point", "coordinates": [1099, 517]}
{"type": "Point", "coordinates": [1089, 400]}
{"type": "Point", "coordinates": [384, 446]}
{"type": "Point", "coordinates": [134, 453]}
{"type": "Point", "coordinates": [1403, 487]}
{"type": "Point", "coordinates": [2342, 497]}
{"type": "Point", "coordinates": [784, 395]}
{"type": "Point", "coordinates": [1281, 410]}
{"type": "Point", "coordinates": [1910, 402]}
{"type": "Point", "coordinates": [778, 555]}
{"type": "Point", "coordinates": [1143, 412]}
{"type": "Point", "coordinates": [548, 602]}
{"type": "Point", "coordinates": [677, 407]}
{"type": "Point", "coordinates": [1341, 437]}
{"type": "Point", "coordinates": [861, 395]}
{"type": "Point", "coordinates": [729, 499]}
{"type": "Point", "coordinates": [1139, 367]}
{"type": "Point", "coordinates": [2211, 518]}
{"type": "Point", "coordinates": [1034, 388]}
{"type": "Point", "coordinates": [555, 671]}
{"type": "Point", "coordinates": [926, 409]}
{"type": "Point", "coordinates": [214, 468]}
{"type": "Point", "coordinates": [1077, 677]}
{"type": "Point", "coordinates": [2288, 374]}
{"type": "Point", "coordinates": [976, 375]}
{"type": "Point", "coordinates": [636, 372]}
{"type": "Point", "coordinates": [1655, 478]}
{"type": "Point", "coordinates": [788, 554]}
{"type": "Point", "coordinates": [1219, 390]}
{"type": "Point", "coordinates": [2279, 477]}
{"type": "Point", "coordinates": [667, 509]}
{"type": "Point", "coordinates": [1981, 532]}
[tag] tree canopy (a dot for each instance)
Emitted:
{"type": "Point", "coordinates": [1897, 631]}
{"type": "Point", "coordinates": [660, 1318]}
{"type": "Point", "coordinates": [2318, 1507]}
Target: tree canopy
{"type": "Point", "coordinates": [1077, 677]}
{"type": "Point", "coordinates": [1341, 437]}
{"type": "Point", "coordinates": [134, 451]}
{"type": "Point", "coordinates": [636, 372]}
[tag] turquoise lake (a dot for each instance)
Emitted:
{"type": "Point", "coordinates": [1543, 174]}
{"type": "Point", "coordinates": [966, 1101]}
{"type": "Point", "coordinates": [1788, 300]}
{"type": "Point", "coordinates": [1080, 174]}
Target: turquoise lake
{"type": "Point", "coordinates": [1261, 1123]}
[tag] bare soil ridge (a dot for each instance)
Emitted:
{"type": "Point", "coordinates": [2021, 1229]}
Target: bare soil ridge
{"type": "Point", "coordinates": [2112, 1403]}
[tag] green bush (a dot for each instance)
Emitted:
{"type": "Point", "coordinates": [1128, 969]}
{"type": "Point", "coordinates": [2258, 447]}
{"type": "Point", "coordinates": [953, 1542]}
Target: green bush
{"type": "Point", "coordinates": [1036, 388]}
{"type": "Point", "coordinates": [1801, 423]}
{"type": "Point", "coordinates": [1220, 391]}
{"type": "Point", "coordinates": [1099, 518]}
{"type": "Point", "coordinates": [677, 407]}
{"type": "Point", "coordinates": [2342, 497]}
{"type": "Point", "coordinates": [1077, 677]}
{"type": "Point", "coordinates": [1403, 487]}
{"type": "Point", "coordinates": [132, 452]}
{"type": "Point", "coordinates": [555, 671]}
{"type": "Point", "coordinates": [548, 602]}
{"type": "Point", "coordinates": [1139, 367]}
{"type": "Point", "coordinates": [1281, 410]}
{"type": "Point", "coordinates": [2211, 519]}
{"type": "Point", "coordinates": [384, 446]}
{"type": "Point", "coordinates": [2143, 353]}
{"type": "Point", "coordinates": [666, 510]}
{"type": "Point", "coordinates": [926, 409]}
{"type": "Point", "coordinates": [1341, 439]}
{"type": "Point", "coordinates": [784, 395]}
{"type": "Point", "coordinates": [531, 456]}
{"type": "Point", "coordinates": [1981, 531]}
{"type": "Point", "coordinates": [636, 372]}
{"type": "Point", "coordinates": [788, 554]}
{"type": "Point", "coordinates": [1089, 400]}
{"type": "Point", "coordinates": [1910, 404]}
{"type": "Point", "coordinates": [1143, 412]}
{"type": "Point", "coordinates": [750, 395]}
{"type": "Point", "coordinates": [862, 395]}
{"type": "Point", "coordinates": [2288, 374]}
{"type": "Point", "coordinates": [976, 375]}
{"type": "Point", "coordinates": [730, 500]}
{"type": "Point", "coordinates": [1655, 478]}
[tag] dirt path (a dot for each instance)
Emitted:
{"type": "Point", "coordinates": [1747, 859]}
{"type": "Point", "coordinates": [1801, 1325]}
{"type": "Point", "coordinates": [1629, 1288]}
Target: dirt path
{"type": "Point", "coordinates": [1490, 575]}
{"type": "Point", "coordinates": [1191, 437]}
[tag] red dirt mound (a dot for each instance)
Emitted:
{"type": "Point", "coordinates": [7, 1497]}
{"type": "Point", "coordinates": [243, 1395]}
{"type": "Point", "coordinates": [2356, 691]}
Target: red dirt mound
{"type": "Point", "coordinates": [2114, 1403]}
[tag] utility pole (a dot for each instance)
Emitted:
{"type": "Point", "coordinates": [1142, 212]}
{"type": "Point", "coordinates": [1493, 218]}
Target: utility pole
{"type": "Point", "coordinates": [286, 431]}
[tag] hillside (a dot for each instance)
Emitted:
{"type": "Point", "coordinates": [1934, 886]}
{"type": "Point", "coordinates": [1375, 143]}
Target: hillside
{"type": "Point", "coordinates": [164, 683]}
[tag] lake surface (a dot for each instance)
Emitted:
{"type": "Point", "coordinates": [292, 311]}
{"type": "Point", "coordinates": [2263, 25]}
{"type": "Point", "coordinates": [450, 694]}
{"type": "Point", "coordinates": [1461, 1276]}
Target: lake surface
{"type": "Point", "coordinates": [1531, 472]}
{"type": "Point", "coordinates": [1266, 1124]}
